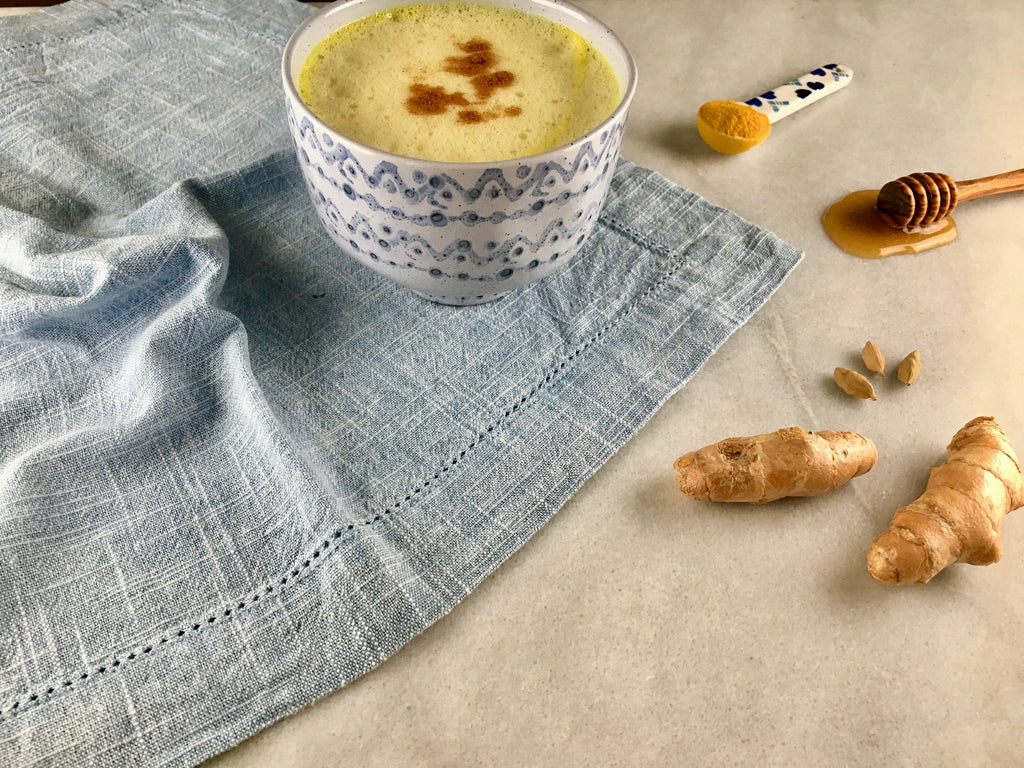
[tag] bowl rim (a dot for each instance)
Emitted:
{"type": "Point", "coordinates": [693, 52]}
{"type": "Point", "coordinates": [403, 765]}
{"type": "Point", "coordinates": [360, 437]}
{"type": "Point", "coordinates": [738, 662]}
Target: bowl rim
{"type": "Point", "coordinates": [621, 108]}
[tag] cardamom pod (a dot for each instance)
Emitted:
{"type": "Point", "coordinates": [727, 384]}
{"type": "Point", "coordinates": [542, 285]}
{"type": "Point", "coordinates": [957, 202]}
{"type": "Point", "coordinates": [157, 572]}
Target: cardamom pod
{"type": "Point", "coordinates": [853, 383]}
{"type": "Point", "coordinates": [910, 368]}
{"type": "Point", "coordinates": [873, 358]}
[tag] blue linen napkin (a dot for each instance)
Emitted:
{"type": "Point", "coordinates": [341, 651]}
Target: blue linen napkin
{"type": "Point", "coordinates": [238, 470]}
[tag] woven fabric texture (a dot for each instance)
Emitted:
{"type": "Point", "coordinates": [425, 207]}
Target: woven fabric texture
{"type": "Point", "coordinates": [237, 469]}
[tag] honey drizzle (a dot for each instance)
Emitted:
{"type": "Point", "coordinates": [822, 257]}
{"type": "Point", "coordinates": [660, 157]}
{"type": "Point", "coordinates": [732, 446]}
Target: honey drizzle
{"type": "Point", "coordinates": [855, 226]}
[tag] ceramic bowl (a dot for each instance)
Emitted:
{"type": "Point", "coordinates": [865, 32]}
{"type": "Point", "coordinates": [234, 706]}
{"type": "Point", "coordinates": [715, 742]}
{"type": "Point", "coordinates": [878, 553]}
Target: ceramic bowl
{"type": "Point", "coordinates": [457, 233]}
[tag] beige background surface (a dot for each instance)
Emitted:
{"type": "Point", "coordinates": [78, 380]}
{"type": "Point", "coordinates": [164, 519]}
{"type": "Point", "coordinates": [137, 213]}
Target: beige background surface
{"type": "Point", "coordinates": [642, 628]}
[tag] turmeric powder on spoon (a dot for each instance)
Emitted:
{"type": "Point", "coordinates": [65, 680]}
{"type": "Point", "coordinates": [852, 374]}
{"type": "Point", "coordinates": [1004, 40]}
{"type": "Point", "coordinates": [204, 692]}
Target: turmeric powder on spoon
{"type": "Point", "coordinates": [732, 127]}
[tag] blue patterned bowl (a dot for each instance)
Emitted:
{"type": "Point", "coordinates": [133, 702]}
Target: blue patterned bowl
{"type": "Point", "coordinates": [457, 233]}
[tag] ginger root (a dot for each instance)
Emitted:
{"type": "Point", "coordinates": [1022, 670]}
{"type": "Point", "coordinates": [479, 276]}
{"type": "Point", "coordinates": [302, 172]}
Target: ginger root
{"type": "Point", "coordinates": [762, 468]}
{"type": "Point", "coordinates": [959, 516]}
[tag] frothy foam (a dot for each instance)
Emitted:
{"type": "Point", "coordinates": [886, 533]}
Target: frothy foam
{"type": "Point", "coordinates": [459, 81]}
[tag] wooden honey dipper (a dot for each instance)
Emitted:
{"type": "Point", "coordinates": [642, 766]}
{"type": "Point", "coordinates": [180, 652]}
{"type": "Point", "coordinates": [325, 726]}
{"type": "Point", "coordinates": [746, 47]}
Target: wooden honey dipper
{"type": "Point", "coordinates": [921, 199]}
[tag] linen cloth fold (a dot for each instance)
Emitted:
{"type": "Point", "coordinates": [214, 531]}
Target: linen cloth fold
{"type": "Point", "coordinates": [237, 469]}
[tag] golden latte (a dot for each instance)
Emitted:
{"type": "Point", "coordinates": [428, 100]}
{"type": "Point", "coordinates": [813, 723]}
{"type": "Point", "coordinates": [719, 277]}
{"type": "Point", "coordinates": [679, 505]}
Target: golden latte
{"type": "Point", "coordinates": [460, 82]}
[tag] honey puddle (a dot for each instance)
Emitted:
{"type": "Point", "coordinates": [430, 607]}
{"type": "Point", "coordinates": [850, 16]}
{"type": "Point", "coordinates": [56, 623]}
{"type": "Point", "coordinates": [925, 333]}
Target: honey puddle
{"type": "Point", "coordinates": [855, 226]}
